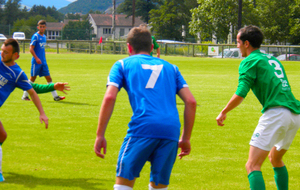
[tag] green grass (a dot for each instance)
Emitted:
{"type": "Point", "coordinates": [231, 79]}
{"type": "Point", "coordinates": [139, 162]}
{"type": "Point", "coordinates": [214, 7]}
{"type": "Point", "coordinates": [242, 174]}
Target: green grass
{"type": "Point", "coordinates": [62, 157]}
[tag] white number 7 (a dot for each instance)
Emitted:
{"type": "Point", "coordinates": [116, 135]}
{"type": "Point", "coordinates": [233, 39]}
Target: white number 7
{"type": "Point", "coordinates": [156, 69]}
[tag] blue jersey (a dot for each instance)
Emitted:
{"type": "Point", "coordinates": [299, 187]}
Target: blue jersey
{"type": "Point", "coordinates": [152, 85]}
{"type": "Point", "coordinates": [39, 43]}
{"type": "Point", "coordinates": [10, 78]}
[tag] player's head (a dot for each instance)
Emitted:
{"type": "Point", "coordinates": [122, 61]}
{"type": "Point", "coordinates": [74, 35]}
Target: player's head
{"type": "Point", "coordinates": [252, 34]}
{"type": "Point", "coordinates": [10, 50]}
{"type": "Point", "coordinates": [139, 38]}
{"type": "Point", "coordinates": [41, 26]}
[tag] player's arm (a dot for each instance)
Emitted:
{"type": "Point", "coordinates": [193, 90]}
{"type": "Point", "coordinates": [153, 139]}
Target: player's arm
{"type": "Point", "coordinates": [106, 111]}
{"type": "Point", "coordinates": [189, 118]}
{"type": "Point", "coordinates": [38, 104]}
{"type": "Point", "coordinates": [233, 103]}
{"type": "Point", "coordinates": [158, 52]}
{"type": "Point", "coordinates": [44, 88]}
{"type": "Point", "coordinates": [31, 49]}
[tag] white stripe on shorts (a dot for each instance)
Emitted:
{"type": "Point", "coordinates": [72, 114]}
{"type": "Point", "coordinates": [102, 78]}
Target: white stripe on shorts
{"type": "Point", "coordinates": [123, 156]}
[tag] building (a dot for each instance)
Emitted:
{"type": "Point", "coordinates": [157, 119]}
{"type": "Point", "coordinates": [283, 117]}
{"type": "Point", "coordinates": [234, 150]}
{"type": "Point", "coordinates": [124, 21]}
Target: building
{"type": "Point", "coordinates": [102, 24]}
{"type": "Point", "coordinates": [54, 30]}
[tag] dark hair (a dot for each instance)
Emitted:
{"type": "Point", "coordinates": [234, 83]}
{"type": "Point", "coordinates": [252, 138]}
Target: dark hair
{"type": "Point", "coordinates": [42, 22]}
{"type": "Point", "coordinates": [14, 43]}
{"type": "Point", "coordinates": [140, 39]}
{"type": "Point", "coordinates": [253, 34]}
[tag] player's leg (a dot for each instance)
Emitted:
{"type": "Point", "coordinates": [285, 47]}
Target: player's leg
{"type": "Point", "coordinates": [253, 166]}
{"type": "Point", "coordinates": [35, 69]}
{"type": "Point", "coordinates": [54, 93]}
{"type": "Point", "coordinates": [162, 161]}
{"type": "Point", "coordinates": [281, 174]}
{"type": "Point", "coordinates": [3, 136]}
{"type": "Point", "coordinates": [124, 184]}
{"type": "Point", "coordinates": [278, 151]}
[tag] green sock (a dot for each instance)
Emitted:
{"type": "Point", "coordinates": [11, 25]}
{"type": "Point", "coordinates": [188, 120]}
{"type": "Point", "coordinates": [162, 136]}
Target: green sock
{"type": "Point", "coordinates": [256, 181]}
{"type": "Point", "coordinates": [281, 178]}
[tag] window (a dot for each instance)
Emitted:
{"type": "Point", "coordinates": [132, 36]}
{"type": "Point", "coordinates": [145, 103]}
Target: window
{"type": "Point", "coordinates": [122, 32]}
{"type": "Point", "coordinates": [106, 30]}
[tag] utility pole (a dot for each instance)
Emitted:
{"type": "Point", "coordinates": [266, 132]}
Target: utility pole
{"type": "Point", "coordinates": [240, 14]}
{"type": "Point", "coordinates": [113, 20]}
{"type": "Point", "coordinates": [133, 12]}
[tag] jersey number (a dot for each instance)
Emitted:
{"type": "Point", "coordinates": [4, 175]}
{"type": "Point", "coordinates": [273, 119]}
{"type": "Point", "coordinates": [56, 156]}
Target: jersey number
{"type": "Point", "coordinates": [278, 70]}
{"type": "Point", "coordinates": [156, 69]}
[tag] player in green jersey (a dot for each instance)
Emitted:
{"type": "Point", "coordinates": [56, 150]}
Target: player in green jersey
{"type": "Point", "coordinates": [280, 121]}
{"type": "Point", "coordinates": [155, 46]}
{"type": "Point", "coordinates": [44, 88]}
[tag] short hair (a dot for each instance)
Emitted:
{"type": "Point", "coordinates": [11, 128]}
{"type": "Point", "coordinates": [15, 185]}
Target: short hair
{"type": "Point", "coordinates": [253, 34]}
{"type": "Point", "coordinates": [140, 39]}
{"type": "Point", "coordinates": [42, 22]}
{"type": "Point", "coordinates": [14, 43]}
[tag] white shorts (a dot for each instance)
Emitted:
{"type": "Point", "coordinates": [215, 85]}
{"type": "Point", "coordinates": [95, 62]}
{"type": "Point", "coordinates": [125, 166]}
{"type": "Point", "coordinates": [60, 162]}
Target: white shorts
{"type": "Point", "coordinates": [276, 127]}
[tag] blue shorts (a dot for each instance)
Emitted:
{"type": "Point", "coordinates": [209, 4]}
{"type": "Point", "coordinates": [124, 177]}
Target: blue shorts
{"type": "Point", "coordinates": [135, 152]}
{"type": "Point", "coordinates": [39, 70]}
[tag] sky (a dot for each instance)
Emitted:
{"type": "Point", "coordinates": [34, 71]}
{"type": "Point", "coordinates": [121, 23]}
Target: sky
{"type": "Point", "coordinates": [56, 3]}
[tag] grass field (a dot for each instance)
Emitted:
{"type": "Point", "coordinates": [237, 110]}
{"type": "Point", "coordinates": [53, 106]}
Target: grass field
{"type": "Point", "coordinates": [62, 156]}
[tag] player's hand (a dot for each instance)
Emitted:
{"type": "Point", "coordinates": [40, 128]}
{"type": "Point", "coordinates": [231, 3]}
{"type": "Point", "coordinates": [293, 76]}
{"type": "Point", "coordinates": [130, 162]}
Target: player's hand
{"type": "Point", "coordinates": [220, 119]}
{"type": "Point", "coordinates": [62, 86]}
{"type": "Point", "coordinates": [44, 118]}
{"type": "Point", "coordinates": [38, 61]}
{"type": "Point", "coordinates": [185, 147]}
{"type": "Point", "coordinates": [100, 143]}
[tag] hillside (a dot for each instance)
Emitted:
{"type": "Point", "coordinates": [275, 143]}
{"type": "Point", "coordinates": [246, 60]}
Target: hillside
{"type": "Point", "coordinates": [84, 6]}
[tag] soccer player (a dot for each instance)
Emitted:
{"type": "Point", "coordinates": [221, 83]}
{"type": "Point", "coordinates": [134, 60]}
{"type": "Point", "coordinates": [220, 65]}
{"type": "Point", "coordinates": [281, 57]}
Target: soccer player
{"type": "Point", "coordinates": [154, 129]}
{"type": "Point", "coordinates": [12, 76]}
{"type": "Point", "coordinates": [38, 63]}
{"type": "Point", "coordinates": [280, 121]}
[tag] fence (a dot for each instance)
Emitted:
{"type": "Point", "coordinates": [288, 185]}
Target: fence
{"type": "Point", "coordinates": [175, 49]}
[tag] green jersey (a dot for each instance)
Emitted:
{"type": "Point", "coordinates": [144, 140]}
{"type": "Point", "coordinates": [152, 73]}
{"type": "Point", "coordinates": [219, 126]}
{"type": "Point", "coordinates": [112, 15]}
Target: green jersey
{"type": "Point", "coordinates": [43, 88]}
{"type": "Point", "coordinates": [265, 75]}
{"type": "Point", "coordinates": [155, 45]}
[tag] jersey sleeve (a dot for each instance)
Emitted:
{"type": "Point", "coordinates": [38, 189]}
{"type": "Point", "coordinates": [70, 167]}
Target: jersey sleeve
{"type": "Point", "coordinates": [116, 75]}
{"type": "Point", "coordinates": [247, 76]}
{"type": "Point", "coordinates": [181, 83]}
{"type": "Point", "coordinates": [33, 40]}
{"type": "Point", "coordinates": [43, 88]}
{"type": "Point", "coordinates": [23, 82]}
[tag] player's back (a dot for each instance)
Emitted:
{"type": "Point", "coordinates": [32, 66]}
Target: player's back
{"type": "Point", "coordinates": [152, 85]}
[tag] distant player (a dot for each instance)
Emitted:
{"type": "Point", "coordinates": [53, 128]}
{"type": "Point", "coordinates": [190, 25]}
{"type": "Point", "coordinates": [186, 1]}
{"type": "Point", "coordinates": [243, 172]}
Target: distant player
{"type": "Point", "coordinates": [154, 129]}
{"type": "Point", "coordinates": [12, 76]}
{"type": "Point", "coordinates": [280, 121]}
{"type": "Point", "coordinates": [39, 65]}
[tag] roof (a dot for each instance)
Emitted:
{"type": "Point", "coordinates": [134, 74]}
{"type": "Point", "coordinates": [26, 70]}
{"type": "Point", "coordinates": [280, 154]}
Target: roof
{"type": "Point", "coordinates": [56, 26]}
{"type": "Point", "coordinates": [120, 20]}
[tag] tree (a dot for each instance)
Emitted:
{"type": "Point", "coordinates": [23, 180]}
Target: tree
{"type": "Point", "coordinates": [142, 8]}
{"type": "Point", "coordinates": [275, 16]}
{"type": "Point", "coordinates": [215, 17]}
{"type": "Point", "coordinates": [11, 11]}
{"type": "Point", "coordinates": [167, 21]}
{"type": "Point", "coordinates": [295, 24]}
{"type": "Point", "coordinates": [77, 30]}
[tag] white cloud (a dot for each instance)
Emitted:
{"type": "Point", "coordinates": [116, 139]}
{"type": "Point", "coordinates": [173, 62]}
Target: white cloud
{"type": "Point", "coordinates": [71, 0]}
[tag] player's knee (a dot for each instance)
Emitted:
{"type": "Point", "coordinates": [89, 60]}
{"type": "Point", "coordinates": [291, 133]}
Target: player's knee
{"type": "Point", "coordinates": [152, 188]}
{"type": "Point", "coordinates": [122, 187]}
{"type": "Point", "coordinates": [3, 136]}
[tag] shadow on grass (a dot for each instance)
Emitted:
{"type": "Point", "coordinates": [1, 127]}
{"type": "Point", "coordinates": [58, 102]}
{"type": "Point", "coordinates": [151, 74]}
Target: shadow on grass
{"type": "Point", "coordinates": [29, 181]}
{"type": "Point", "coordinates": [73, 103]}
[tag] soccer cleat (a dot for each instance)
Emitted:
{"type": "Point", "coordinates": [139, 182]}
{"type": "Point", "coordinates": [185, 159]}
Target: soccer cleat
{"type": "Point", "coordinates": [58, 98]}
{"type": "Point", "coordinates": [26, 98]}
{"type": "Point", "coordinates": [1, 177]}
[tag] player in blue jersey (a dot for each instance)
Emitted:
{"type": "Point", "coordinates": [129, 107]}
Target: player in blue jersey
{"type": "Point", "coordinates": [12, 76]}
{"type": "Point", "coordinates": [154, 129]}
{"type": "Point", "coordinates": [39, 65]}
